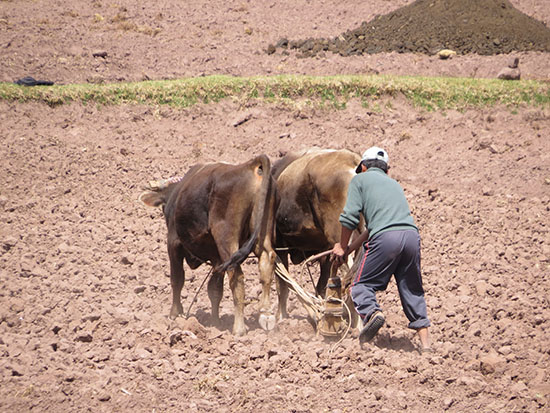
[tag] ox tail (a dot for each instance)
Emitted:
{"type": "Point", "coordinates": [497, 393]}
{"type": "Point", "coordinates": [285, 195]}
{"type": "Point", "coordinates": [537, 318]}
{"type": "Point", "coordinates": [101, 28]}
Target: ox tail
{"type": "Point", "coordinates": [262, 168]}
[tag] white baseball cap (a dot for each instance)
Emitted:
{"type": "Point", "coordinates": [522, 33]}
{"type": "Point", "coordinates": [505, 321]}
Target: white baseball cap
{"type": "Point", "coordinates": [374, 152]}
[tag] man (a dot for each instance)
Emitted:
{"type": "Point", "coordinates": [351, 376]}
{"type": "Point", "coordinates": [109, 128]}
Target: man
{"type": "Point", "coordinates": [392, 247]}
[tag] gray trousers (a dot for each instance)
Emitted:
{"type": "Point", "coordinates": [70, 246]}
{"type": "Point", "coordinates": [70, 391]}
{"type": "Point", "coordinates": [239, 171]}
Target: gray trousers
{"type": "Point", "coordinates": [386, 254]}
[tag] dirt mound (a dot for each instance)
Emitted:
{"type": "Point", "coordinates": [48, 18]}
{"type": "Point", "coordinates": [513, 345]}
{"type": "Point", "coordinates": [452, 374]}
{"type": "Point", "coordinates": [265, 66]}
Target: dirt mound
{"type": "Point", "coordinates": [484, 27]}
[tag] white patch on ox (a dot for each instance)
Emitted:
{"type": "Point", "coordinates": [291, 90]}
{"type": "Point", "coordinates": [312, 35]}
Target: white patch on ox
{"type": "Point", "coordinates": [316, 150]}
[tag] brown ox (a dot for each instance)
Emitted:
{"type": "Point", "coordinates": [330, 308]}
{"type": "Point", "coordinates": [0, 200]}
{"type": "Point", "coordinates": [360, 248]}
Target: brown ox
{"type": "Point", "coordinates": [312, 186]}
{"type": "Point", "coordinates": [220, 213]}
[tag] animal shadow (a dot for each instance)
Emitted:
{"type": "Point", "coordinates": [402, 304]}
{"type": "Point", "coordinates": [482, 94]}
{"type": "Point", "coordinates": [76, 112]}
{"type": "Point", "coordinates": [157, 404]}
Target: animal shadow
{"type": "Point", "coordinates": [225, 324]}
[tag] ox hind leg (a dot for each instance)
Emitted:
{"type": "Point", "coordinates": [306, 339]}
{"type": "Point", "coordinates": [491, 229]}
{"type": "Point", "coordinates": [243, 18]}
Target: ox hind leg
{"type": "Point", "coordinates": [321, 286]}
{"type": "Point", "coordinates": [223, 235]}
{"type": "Point", "coordinates": [236, 283]}
{"type": "Point", "coordinates": [177, 275]}
{"type": "Point", "coordinates": [266, 265]}
{"type": "Point", "coordinates": [215, 293]}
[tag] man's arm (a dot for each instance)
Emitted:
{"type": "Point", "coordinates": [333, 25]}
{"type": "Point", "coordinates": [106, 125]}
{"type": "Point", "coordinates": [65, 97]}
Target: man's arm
{"type": "Point", "coordinates": [357, 242]}
{"type": "Point", "coordinates": [339, 251]}
{"type": "Point", "coordinates": [349, 220]}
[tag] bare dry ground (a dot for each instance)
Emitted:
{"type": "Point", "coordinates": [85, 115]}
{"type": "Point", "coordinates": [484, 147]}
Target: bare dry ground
{"type": "Point", "coordinates": [83, 266]}
{"type": "Point", "coordinates": [94, 41]}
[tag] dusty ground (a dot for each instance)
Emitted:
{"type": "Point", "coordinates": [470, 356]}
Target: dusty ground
{"type": "Point", "coordinates": [83, 267]}
{"type": "Point", "coordinates": [95, 41]}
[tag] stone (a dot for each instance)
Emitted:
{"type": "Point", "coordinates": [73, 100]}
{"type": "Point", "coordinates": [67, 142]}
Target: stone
{"type": "Point", "coordinates": [446, 54]}
{"type": "Point", "coordinates": [508, 73]}
{"type": "Point", "coordinates": [514, 63]}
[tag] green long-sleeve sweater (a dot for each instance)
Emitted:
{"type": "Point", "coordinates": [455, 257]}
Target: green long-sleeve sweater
{"type": "Point", "coordinates": [380, 199]}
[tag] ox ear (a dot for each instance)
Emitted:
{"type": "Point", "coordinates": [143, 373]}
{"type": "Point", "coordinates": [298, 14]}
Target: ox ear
{"type": "Point", "coordinates": [152, 199]}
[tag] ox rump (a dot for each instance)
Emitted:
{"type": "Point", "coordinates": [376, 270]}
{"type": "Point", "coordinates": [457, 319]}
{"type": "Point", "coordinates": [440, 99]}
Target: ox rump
{"type": "Point", "coordinates": [312, 186]}
{"type": "Point", "coordinates": [219, 213]}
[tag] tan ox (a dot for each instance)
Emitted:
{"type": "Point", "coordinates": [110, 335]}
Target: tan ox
{"type": "Point", "coordinates": [312, 186]}
{"type": "Point", "coordinates": [220, 213]}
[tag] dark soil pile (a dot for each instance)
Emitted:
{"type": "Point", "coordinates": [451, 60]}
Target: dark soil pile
{"type": "Point", "coordinates": [484, 27]}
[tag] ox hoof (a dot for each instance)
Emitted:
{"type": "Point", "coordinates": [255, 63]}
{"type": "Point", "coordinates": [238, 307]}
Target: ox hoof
{"type": "Point", "coordinates": [175, 314]}
{"type": "Point", "coordinates": [239, 332]}
{"type": "Point", "coordinates": [267, 322]}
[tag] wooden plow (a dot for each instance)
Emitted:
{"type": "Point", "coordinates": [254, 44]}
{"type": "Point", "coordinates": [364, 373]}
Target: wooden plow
{"type": "Point", "coordinates": [327, 314]}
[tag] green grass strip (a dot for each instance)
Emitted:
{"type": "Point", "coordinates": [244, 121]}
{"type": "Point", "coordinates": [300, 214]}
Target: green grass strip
{"type": "Point", "coordinates": [431, 93]}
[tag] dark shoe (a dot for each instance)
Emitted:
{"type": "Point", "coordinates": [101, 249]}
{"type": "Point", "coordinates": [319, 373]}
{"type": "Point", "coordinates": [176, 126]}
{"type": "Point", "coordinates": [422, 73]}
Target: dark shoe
{"type": "Point", "coordinates": [376, 321]}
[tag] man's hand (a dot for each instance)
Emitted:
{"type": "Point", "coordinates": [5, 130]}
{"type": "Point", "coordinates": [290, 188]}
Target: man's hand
{"type": "Point", "coordinates": [338, 254]}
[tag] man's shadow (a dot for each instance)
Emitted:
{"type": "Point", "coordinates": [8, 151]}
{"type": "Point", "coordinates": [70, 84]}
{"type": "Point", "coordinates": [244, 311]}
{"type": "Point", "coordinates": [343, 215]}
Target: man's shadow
{"type": "Point", "coordinates": [385, 340]}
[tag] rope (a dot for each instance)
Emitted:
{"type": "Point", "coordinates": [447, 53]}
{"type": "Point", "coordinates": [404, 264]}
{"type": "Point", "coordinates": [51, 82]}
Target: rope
{"type": "Point", "coordinates": [306, 263]}
{"type": "Point", "coordinates": [348, 327]}
{"type": "Point", "coordinates": [197, 292]}
{"type": "Point", "coordinates": [317, 256]}
{"type": "Point", "coordinates": [306, 266]}
{"type": "Point", "coordinates": [312, 303]}
{"type": "Point", "coordinates": [333, 347]}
